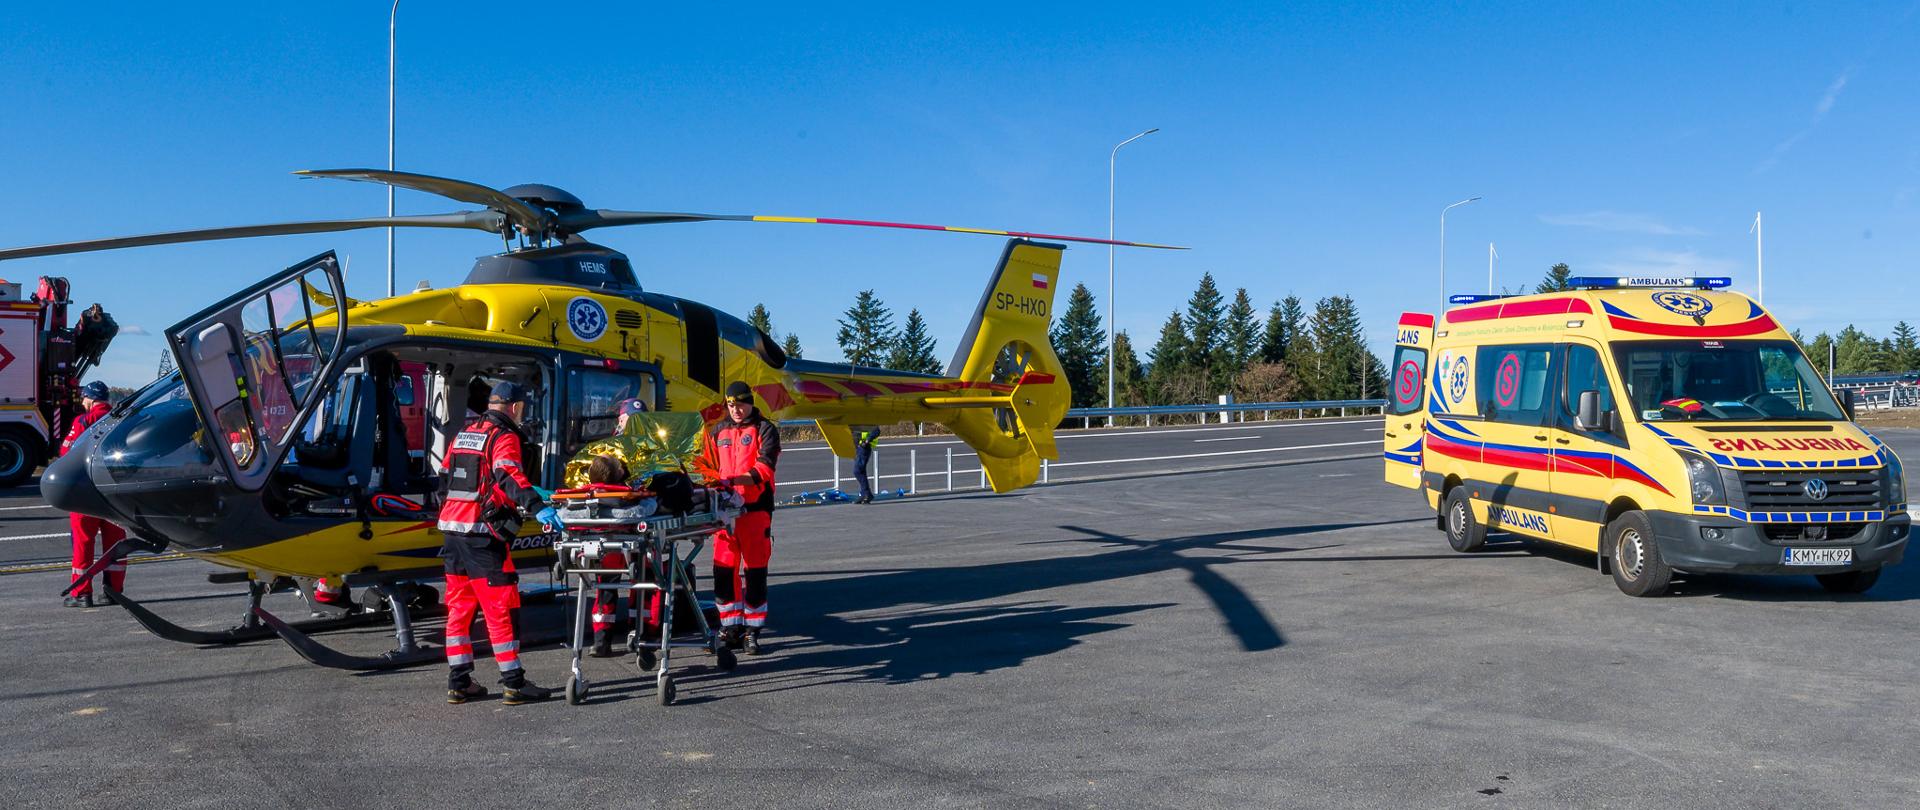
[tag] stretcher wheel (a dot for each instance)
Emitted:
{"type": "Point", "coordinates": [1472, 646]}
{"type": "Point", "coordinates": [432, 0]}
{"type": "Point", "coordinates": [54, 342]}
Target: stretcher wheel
{"type": "Point", "coordinates": [576, 691]}
{"type": "Point", "coordinates": [727, 660]}
{"type": "Point", "coordinates": [646, 659]}
{"type": "Point", "coordinates": [664, 686]}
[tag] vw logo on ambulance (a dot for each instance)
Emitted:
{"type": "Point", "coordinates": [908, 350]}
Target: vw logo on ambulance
{"type": "Point", "coordinates": [1815, 488]}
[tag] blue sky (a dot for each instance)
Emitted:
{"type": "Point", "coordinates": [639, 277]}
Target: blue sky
{"type": "Point", "coordinates": [1303, 149]}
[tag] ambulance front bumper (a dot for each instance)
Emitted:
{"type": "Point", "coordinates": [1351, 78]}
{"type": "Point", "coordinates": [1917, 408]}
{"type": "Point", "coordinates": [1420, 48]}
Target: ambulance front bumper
{"type": "Point", "coordinates": [1744, 548]}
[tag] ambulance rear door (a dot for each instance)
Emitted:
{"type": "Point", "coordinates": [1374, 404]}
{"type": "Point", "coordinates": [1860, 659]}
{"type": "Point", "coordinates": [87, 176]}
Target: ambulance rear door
{"type": "Point", "coordinates": [1406, 409]}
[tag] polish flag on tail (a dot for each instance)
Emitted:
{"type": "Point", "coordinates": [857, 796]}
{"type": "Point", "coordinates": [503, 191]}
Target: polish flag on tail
{"type": "Point", "coordinates": [1040, 280]}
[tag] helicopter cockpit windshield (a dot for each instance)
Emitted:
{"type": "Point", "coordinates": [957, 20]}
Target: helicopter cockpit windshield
{"type": "Point", "coordinates": [250, 362]}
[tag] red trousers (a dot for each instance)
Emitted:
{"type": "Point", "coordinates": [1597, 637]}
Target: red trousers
{"type": "Point", "coordinates": [465, 596]}
{"type": "Point", "coordinates": [606, 604]}
{"type": "Point", "coordinates": [84, 529]}
{"type": "Point", "coordinates": [740, 559]}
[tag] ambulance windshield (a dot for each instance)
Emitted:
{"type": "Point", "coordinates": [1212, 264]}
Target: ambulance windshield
{"type": "Point", "coordinates": [1714, 380]}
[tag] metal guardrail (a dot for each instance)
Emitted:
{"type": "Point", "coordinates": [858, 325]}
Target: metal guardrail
{"type": "Point", "coordinates": [1087, 415]}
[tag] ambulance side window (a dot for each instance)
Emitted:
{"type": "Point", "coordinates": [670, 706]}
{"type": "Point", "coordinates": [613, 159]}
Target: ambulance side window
{"type": "Point", "coordinates": [1513, 383]}
{"type": "Point", "coordinates": [1584, 372]}
{"type": "Point", "coordinates": [1409, 379]}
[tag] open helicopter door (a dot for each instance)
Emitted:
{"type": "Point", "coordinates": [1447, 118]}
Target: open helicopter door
{"type": "Point", "coordinates": [254, 363]}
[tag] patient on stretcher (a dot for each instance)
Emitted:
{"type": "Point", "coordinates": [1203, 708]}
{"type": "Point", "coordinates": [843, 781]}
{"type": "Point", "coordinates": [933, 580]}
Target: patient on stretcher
{"type": "Point", "coordinates": [616, 500]}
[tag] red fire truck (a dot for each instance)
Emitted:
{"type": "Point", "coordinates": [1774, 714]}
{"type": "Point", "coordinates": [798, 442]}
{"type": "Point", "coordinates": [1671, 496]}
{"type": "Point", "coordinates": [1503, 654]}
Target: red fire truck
{"type": "Point", "coordinates": [42, 358]}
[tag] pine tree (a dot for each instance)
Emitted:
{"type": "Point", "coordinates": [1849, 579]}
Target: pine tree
{"type": "Point", "coordinates": [913, 349]}
{"type": "Point", "coordinates": [1243, 333]}
{"type": "Point", "coordinates": [1556, 280]}
{"type": "Point", "coordinates": [1126, 369]}
{"type": "Point", "coordinates": [867, 333]}
{"type": "Point", "coordinates": [1170, 353]}
{"type": "Point", "coordinates": [1818, 351]}
{"type": "Point", "coordinates": [760, 319]}
{"type": "Point", "coordinates": [1342, 367]}
{"type": "Point", "coordinates": [1284, 323]}
{"type": "Point", "coordinates": [791, 346]}
{"type": "Point", "coordinates": [1082, 347]}
{"type": "Point", "coordinates": [1857, 353]}
{"type": "Point", "coordinates": [1206, 326]}
{"type": "Point", "coordinates": [1906, 348]}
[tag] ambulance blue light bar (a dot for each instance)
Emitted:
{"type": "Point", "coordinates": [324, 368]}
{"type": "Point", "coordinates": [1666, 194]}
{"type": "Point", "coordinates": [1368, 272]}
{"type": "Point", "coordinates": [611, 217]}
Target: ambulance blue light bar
{"type": "Point", "coordinates": [1621, 282]}
{"type": "Point", "coordinates": [1475, 299]}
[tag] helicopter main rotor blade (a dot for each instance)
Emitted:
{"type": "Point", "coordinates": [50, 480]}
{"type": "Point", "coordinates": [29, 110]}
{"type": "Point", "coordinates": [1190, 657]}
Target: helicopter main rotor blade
{"type": "Point", "coordinates": [577, 221]}
{"type": "Point", "coordinates": [490, 221]}
{"type": "Point", "coordinates": [521, 215]}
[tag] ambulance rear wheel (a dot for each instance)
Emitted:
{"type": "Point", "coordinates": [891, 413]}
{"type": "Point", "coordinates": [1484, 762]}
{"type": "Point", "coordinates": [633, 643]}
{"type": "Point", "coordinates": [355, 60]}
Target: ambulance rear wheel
{"type": "Point", "coordinates": [1465, 534]}
{"type": "Point", "coordinates": [1637, 566]}
{"type": "Point", "coordinates": [20, 452]}
{"type": "Point", "coordinates": [1848, 581]}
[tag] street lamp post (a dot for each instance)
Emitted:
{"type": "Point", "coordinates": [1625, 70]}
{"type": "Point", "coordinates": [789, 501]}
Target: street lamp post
{"type": "Point", "coordinates": [1759, 257]}
{"type": "Point", "coordinates": [392, 17]}
{"type": "Point", "coordinates": [1443, 249]}
{"type": "Point", "coordinates": [1112, 313]}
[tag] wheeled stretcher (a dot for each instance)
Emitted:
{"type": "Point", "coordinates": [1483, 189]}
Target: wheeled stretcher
{"type": "Point", "coordinates": [658, 551]}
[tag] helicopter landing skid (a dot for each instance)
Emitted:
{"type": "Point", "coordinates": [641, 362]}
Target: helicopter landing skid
{"type": "Point", "coordinates": [409, 653]}
{"type": "Point", "coordinates": [253, 631]}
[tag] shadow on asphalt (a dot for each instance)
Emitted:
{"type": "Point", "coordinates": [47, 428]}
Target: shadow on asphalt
{"type": "Point", "coordinates": [940, 642]}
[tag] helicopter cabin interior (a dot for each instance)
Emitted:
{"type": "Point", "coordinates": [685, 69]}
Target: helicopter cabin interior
{"type": "Point", "coordinates": [385, 425]}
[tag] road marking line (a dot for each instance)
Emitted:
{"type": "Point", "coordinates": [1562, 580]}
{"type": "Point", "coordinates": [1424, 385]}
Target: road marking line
{"type": "Point", "coordinates": [19, 508]}
{"type": "Point", "coordinates": [1228, 439]}
{"type": "Point", "coordinates": [1208, 455]}
{"type": "Point", "coordinates": [1103, 433]}
{"type": "Point", "coordinates": [35, 536]}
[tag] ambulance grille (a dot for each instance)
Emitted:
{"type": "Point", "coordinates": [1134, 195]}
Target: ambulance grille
{"type": "Point", "coordinates": [1786, 490]}
{"type": "Point", "coordinates": [1786, 534]}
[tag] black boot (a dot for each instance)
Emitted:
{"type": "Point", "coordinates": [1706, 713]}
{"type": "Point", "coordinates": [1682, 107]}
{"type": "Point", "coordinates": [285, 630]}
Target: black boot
{"type": "Point", "coordinates": [525, 692]}
{"type": "Point", "coordinates": [734, 635]}
{"type": "Point", "coordinates": [459, 695]}
{"type": "Point", "coordinates": [753, 641]}
{"type": "Point", "coordinates": [111, 597]}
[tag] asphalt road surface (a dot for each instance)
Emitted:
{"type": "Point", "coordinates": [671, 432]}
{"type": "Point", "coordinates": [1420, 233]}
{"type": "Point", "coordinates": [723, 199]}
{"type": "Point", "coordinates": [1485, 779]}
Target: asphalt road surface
{"type": "Point", "coordinates": [1288, 635]}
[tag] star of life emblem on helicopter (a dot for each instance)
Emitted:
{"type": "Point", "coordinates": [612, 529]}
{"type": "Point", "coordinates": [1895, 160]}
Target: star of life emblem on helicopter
{"type": "Point", "coordinates": [587, 319]}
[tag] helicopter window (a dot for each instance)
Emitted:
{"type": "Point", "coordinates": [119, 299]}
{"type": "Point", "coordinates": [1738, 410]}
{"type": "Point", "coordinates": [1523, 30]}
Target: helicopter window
{"type": "Point", "coordinates": [593, 399]}
{"type": "Point", "coordinates": [703, 344]}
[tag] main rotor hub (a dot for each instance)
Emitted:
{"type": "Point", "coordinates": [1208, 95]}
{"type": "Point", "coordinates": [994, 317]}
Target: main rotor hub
{"type": "Point", "coordinates": [541, 195]}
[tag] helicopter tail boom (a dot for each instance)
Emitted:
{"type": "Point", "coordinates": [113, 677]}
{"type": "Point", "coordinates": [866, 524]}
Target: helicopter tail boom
{"type": "Point", "coordinates": [1014, 391]}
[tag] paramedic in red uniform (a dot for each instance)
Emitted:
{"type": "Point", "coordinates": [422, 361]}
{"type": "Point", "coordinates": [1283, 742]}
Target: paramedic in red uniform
{"type": "Point", "coordinates": [94, 406]}
{"type": "Point", "coordinates": [741, 451]}
{"type": "Point", "coordinates": [484, 492]}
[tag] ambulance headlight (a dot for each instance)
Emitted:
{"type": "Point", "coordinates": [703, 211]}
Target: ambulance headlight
{"type": "Point", "coordinates": [1703, 477]}
{"type": "Point", "coordinates": [1896, 476]}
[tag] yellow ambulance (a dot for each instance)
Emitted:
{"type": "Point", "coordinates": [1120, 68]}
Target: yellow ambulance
{"type": "Point", "coordinates": [1669, 425]}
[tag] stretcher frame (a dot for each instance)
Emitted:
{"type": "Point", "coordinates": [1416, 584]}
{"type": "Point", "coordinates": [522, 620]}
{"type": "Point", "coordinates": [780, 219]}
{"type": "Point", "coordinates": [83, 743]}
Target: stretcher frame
{"type": "Point", "coordinates": [654, 542]}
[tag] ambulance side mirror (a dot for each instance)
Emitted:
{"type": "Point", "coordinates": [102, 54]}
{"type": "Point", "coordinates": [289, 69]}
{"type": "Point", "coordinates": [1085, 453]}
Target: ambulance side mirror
{"type": "Point", "coordinates": [1588, 415]}
{"type": "Point", "coordinates": [1847, 403]}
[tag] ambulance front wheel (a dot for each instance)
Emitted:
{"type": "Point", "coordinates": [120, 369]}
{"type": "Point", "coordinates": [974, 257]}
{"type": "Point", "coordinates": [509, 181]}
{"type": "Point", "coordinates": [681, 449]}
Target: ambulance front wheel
{"type": "Point", "coordinates": [1465, 534]}
{"type": "Point", "coordinates": [1637, 566]}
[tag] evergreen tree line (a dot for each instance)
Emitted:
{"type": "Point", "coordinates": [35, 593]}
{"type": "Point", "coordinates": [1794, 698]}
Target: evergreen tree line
{"type": "Point", "coordinates": [1853, 351]}
{"type": "Point", "coordinates": [1214, 347]}
{"type": "Point", "coordinates": [868, 337]}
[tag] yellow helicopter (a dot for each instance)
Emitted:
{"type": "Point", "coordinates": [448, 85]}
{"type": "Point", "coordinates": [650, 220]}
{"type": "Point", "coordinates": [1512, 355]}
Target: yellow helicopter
{"type": "Point", "coordinates": [282, 447]}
